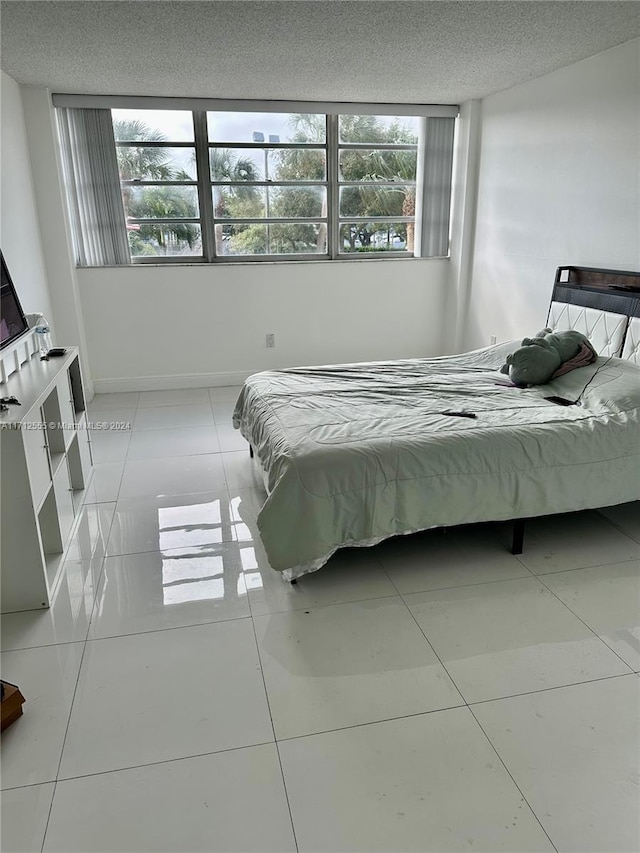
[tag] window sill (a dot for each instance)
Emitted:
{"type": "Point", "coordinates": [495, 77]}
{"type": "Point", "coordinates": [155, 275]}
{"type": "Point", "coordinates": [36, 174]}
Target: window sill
{"type": "Point", "coordinates": [258, 264]}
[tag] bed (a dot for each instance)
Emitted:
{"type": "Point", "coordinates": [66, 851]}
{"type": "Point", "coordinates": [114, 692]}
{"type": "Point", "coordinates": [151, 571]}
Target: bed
{"type": "Point", "coordinates": [352, 454]}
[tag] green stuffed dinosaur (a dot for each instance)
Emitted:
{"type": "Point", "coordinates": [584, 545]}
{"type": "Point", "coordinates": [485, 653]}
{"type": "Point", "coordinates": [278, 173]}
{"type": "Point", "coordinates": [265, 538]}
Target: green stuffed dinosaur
{"type": "Point", "coordinates": [535, 362]}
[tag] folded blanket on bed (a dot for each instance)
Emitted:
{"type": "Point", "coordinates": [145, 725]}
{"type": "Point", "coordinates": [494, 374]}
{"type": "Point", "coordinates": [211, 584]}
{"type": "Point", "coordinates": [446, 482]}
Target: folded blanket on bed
{"type": "Point", "coordinates": [586, 355]}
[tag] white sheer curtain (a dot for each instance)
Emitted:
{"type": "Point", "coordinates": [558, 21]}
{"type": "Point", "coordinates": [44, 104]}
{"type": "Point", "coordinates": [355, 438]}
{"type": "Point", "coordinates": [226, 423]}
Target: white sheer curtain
{"type": "Point", "coordinates": [93, 187]}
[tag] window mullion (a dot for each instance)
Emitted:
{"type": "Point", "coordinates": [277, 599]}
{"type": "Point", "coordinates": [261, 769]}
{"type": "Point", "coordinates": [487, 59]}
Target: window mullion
{"type": "Point", "coordinates": [136, 183]}
{"type": "Point", "coordinates": [150, 143]}
{"type": "Point", "coordinates": [378, 146]}
{"type": "Point", "coordinates": [204, 184]}
{"type": "Point", "coordinates": [333, 211]}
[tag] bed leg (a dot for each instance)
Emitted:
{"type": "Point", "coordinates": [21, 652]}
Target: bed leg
{"type": "Point", "coordinates": [517, 540]}
{"type": "Point", "coordinates": [250, 452]}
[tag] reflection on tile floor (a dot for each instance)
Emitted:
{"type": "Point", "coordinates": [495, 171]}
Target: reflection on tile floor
{"type": "Point", "coordinates": [431, 693]}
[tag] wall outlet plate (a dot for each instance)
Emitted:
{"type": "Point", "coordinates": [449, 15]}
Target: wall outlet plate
{"type": "Point", "coordinates": [270, 341]}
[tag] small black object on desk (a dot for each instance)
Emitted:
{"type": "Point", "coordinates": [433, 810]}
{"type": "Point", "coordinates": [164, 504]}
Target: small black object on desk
{"type": "Point", "coordinates": [6, 401]}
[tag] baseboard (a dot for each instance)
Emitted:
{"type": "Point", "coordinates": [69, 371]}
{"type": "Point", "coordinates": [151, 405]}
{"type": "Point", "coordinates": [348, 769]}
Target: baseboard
{"type": "Point", "coordinates": [172, 382]}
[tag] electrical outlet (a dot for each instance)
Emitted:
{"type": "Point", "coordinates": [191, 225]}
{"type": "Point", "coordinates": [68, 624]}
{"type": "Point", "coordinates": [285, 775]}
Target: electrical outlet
{"type": "Point", "coordinates": [493, 339]}
{"type": "Point", "coordinates": [271, 341]}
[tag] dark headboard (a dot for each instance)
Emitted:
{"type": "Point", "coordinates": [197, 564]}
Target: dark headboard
{"type": "Point", "coordinates": [609, 290]}
{"type": "Point", "coordinates": [615, 292]}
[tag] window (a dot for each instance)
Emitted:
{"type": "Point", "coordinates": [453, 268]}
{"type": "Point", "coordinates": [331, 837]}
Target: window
{"type": "Point", "coordinates": [221, 185]}
{"type": "Point", "coordinates": [158, 178]}
{"type": "Point", "coordinates": [268, 174]}
{"type": "Point", "coordinates": [377, 165]}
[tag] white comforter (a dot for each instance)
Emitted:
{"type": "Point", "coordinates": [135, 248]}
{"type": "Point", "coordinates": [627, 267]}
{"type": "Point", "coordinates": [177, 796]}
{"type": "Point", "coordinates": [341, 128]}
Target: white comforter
{"type": "Point", "coordinates": [356, 453]}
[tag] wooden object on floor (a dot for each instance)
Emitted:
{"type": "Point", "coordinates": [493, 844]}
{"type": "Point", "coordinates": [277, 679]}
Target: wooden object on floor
{"type": "Point", "coordinates": [11, 705]}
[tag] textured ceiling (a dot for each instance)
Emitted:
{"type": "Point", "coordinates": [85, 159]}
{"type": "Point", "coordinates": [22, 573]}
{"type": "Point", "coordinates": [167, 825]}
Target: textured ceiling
{"type": "Point", "coordinates": [422, 52]}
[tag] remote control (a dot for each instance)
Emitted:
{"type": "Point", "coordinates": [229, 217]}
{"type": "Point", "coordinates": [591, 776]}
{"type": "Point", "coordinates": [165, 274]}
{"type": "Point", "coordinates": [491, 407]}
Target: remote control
{"type": "Point", "coordinates": [561, 401]}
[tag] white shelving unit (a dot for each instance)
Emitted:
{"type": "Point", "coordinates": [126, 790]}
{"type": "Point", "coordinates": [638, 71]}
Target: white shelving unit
{"type": "Point", "coordinates": [45, 450]}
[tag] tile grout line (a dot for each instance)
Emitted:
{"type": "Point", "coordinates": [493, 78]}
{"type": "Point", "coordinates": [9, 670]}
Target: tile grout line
{"type": "Point", "coordinates": [424, 635]}
{"type": "Point", "coordinates": [608, 522]}
{"type": "Point", "coordinates": [64, 740]}
{"type": "Point", "coordinates": [554, 687]}
{"type": "Point", "coordinates": [466, 704]}
{"type": "Point", "coordinates": [617, 527]}
{"type": "Point", "coordinates": [273, 728]}
{"type": "Point", "coordinates": [178, 494]}
{"type": "Point", "coordinates": [372, 723]}
{"type": "Point", "coordinates": [539, 578]}
{"type": "Point", "coordinates": [308, 735]}
{"type": "Point", "coordinates": [224, 487]}
{"type": "Point", "coordinates": [500, 759]}
{"type": "Point", "coordinates": [124, 462]}
{"type": "Point", "coordinates": [593, 631]}
{"type": "Point", "coordinates": [575, 568]}
{"type": "Point", "coordinates": [31, 785]}
{"type": "Point", "coordinates": [216, 424]}
{"type": "Point", "coordinates": [323, 606]}
{"type": "Point", "coordinates": [84, 649]}
{"type": "Point", "coordinates": [463, 704]}
{"type": "Point", "coordinates": [525, 693]}
{"type": "Point", "coordinates": [169, 628]}
{"type": "Point", "coordinates": [132, 430]}
{"type": "Point", "coordinates": [474, 715]}
{"type": "Point", "coordinates": [94, 605]}
{"type": "Point", "coordinates": [461, 585]}
{"type": "Point", "coordinates": [161, 551]}
{"type": "Point", "coordinates": [151, 763]}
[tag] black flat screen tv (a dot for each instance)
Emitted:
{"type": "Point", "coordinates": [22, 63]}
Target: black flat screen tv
{"type": "Point", "coordinates": [13, 323]}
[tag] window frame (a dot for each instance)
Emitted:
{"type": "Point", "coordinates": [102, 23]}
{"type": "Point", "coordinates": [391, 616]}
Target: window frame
{"type": "Point", "coordinates": [333, 221]}
{"type": "Point", "coordinates": [270, 220]}
{"type": "Point", "coordinates": [135, 182]}
{"type": "Point", "coordinates": [346, 220]}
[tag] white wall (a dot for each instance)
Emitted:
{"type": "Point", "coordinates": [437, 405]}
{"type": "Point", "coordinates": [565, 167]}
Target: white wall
{"type": "Point", "coordinates": [559, 183]}
{"type": "Point", "coordinates": [19, 227]}
{"type": "Point", "coordinates": [178, 326]}
{"type": "Point", "coordinates": [153, 327]}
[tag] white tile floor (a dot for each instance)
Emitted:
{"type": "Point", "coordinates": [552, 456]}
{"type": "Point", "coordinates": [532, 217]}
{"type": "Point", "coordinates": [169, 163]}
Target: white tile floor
{"type": "Point", "coordinates": [434, 693]}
